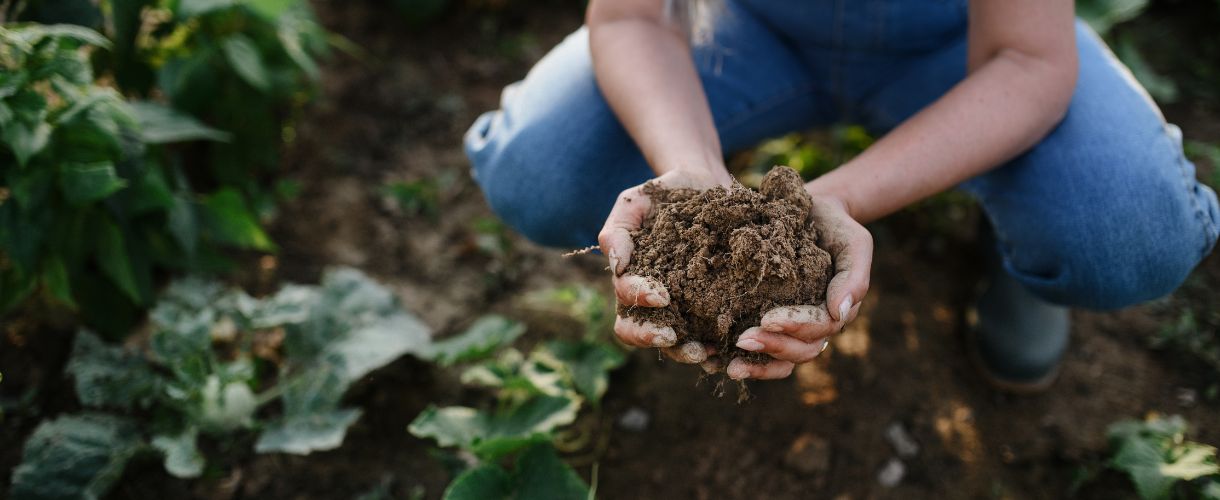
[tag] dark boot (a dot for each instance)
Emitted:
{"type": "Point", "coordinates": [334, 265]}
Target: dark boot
{"type": "Point", "coordinates": [1017, 339]}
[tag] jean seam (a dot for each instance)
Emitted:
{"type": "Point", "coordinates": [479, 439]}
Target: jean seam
{"type": "Point", "coordinates": [1189, 183]}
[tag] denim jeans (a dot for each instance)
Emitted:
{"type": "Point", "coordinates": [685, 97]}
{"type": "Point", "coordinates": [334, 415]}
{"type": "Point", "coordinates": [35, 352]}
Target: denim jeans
{"type": "Point", "coordinates": [1104, 212]}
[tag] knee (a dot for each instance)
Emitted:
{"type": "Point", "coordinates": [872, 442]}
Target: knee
{"type": "Point", "coordinates": [528, 184]}
{"type": "Point", "coordinates": [1106, 270]}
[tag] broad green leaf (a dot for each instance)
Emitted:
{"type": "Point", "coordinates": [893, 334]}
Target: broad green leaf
{"type": "Point", "coordinates": [108, 376]}
{"type": "Point", "coordinates": [271, 9]}
{"type": "Point", "coordinates": [588, 363]}
{"type": "Point", "coordinates": [371, 347]}
{"type": "Point", "coordinates": [540, 473]}
{"type": "Point", "coordinates": [84, 184]}
{"type": "Point", "coordinates": [115, 261]}
{"type": "Point", "coordinates": [492, 435]}
{"type": "Point", "coordinates": [303, 434]}
{"type": "Point", "coordinates": [10, 83]}
{"type": "Point", "coordinates": [160, 124]}
{"type": "Point", "coordinates": [228, 220]}
{"type": "Point", "coordinates": [290, 306]}
{"type": "Point", "coordinates": [292, 46]}
{"type": "Point", "coordinates": [55, 278]}
{"type": "Point", "coordinates": [1142, 461]}
{"type": "Point", "coordinates": [34, 33]}
{"type": "Point", "coordinates": [76, 456]}
{"type": "Point", "coordinates": [184, 225]}
{"type": "Point", "coordinates": [1156, 455]}
{"type": "Point", "coordinates": [483, 482]}
{"type": "Point", "coordinates": [26, 141]}
{"type": "Point", "coordinates": [1196, 461]}
{"type": "Point", "coordinates": [192, 8]}
{"type": "Point", "coordinates": [451, 426]}
{"type": "Point", "coordinates": [479, 341]}
{"type": "Point", "coordinates": [245, 59]}
{"type": "Point", "coordinates": [316, 388]}
{"type": "Point", "coordinates": [1211, 491]}
{"type": "Point", "coordinates": [182, 456]}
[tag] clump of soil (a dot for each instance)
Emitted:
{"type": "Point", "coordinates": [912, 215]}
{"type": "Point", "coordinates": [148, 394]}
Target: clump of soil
{"type": "Point", "coordinates": [727, 256]}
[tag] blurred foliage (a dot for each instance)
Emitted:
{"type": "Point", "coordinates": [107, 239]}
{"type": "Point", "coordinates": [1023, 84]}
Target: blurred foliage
{"type": "Point", "coordinates": [209, 351]}
{"type": "Point", "coordinates": [534, 397]}
{"type": "Point", "coordinates": [1161, 462]}
{"type": "Point", "coordinates": [1170, 45]}
{"type": "Point", "coordinates": [103, 189]}
{"type": "Point", "coordinates": [241, 66]}
{"type": "Point", "coordinates": [91, 204]}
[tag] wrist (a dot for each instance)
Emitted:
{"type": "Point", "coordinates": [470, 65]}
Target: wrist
{"type": "Point", "coordinates": [706, 169]}
{"type": "Point", "coordinates": [835, 196]}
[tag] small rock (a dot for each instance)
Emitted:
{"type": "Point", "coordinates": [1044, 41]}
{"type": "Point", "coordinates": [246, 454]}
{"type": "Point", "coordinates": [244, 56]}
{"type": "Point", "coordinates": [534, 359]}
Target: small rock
{"type": "Point", "coordinates": [898, 437]}
{"type": "Point", "coordinates": [1187, 397]}
{"type": "Point", "coordinates": [892, 473]}
{"type": "Point", "coordinates": [809, 454]}
{"type": "Point", "coordinates": [635, 419]}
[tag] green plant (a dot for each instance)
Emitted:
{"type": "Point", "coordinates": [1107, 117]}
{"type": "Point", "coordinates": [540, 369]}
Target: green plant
{"type": "Point", "coordinates": [534, 397]}
{"type": "Point", "coordinates": [418, 197]}
{"type": "Point", "coordinates": [1161, 462]}
{"type": "Point", "coordinates": [244, 67]}
{"type": "Point", "coordinates": [90, 204]}
{"type": "Point", "coordinates": [214, 358]}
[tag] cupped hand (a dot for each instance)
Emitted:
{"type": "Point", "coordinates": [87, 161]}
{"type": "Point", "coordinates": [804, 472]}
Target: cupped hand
{"type": "Point", "coordinates": [796, 334]}
{"type": "Point", "coordinates": [629, 211]}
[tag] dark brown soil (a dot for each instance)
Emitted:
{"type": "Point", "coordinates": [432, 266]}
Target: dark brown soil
{"type": "Point", "coordinates": [727, 256]}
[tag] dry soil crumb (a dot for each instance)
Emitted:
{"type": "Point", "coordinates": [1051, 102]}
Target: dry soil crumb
{"type": "Point", "coordinates": [727, 256]}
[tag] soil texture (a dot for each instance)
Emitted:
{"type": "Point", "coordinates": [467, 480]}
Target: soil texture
{"type": "Point", "coordinates": [727, 256]}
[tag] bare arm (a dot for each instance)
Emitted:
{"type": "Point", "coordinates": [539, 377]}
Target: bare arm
{"type": "Point", "coordinates": [1022, 72]}
{"type": "Point", "coordinates": [644, 69]}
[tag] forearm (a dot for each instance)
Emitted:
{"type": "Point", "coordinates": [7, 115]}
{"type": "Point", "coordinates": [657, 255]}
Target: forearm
{"type": "Point", "coordinates": [1003, 108]}
{"type": "Point", "coordinates": [645, 72]}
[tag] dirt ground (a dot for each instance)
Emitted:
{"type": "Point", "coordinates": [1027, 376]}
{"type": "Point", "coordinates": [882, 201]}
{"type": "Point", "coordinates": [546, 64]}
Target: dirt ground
{"type": "Point", "coordinates": [398, 115]}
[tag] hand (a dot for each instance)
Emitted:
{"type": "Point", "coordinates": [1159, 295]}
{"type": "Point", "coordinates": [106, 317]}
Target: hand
{"type": "Point", "coordinates": [797, 334]}
{"type": "Point", "coordinates": [628, 213]}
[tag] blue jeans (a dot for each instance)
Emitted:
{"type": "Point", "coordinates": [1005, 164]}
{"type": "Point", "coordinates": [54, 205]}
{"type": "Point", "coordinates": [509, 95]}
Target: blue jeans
{"type": "Point", "coordinates": [1103, 213]}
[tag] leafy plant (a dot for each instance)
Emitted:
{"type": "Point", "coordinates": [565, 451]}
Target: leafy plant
{"type": "Point", "coordinates": [214, 358]}
{"type": "Point", "coordinates": [90, 206]}
{"type": "Point", "coordinates": [1161, 462]}
{"type": "Point", "coordinates": [534, 397]}
{"type": "Point", "coordinates": [242, 66]}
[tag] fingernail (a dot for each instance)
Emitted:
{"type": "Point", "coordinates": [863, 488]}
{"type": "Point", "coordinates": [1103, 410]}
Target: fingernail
{"type": "Point", "coordinates": [664, 338]}
{"type": "Point", "coordinates": [737, 370]}
{"type": "Point", "coordinates": [750, 345]}
{"type": "Point", "coordinates": [613, 262]}
{"type": "Point", "coordinates": [656, 299]}
{"type": "Point", "coordinates": [845, 308]}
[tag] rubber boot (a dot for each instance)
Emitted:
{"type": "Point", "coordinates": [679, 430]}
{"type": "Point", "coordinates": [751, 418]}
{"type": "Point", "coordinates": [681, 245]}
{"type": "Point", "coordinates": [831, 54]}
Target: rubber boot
{"type": "Point", "coordinates": [1017, 339]}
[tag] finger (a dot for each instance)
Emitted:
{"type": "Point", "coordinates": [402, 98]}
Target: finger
{"type": "Point", "coordinates": [853, 265]}
{"type": "Point", "coordinates": [779, 346]}
{"type": "Point", "coordinates": [626, 215]}
{"type": "Point", "coordinates": [691, 352]}
{"type": "Point", "coordinates": [632, 290]}
{"type": "Point", "coordinates": [805, 323]}
{"type": "Point", "coordinates": [741, 369]}
{"type": "Point", "coordinates": [643, 333]}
